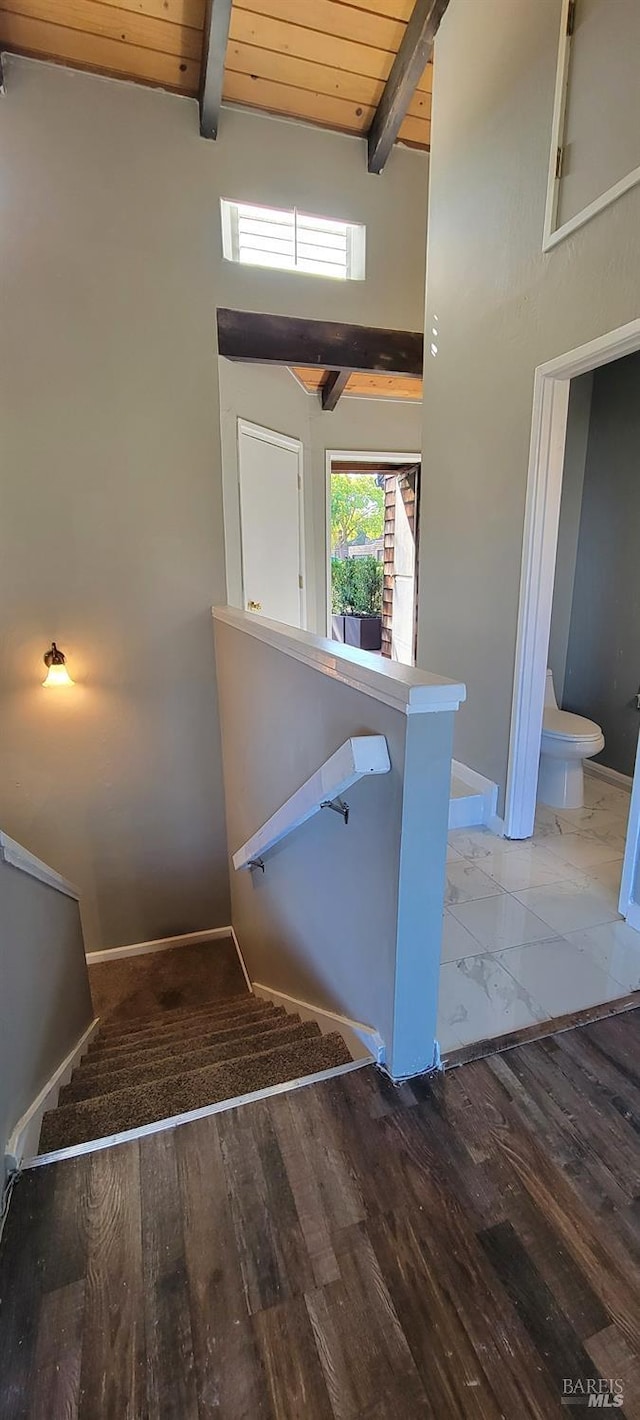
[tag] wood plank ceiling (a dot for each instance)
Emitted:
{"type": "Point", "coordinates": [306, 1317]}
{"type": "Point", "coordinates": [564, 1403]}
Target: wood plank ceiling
{"type": "Point", "coordinates": [364, 383]}
{"type": "Point", "coordinates": [323, 61]}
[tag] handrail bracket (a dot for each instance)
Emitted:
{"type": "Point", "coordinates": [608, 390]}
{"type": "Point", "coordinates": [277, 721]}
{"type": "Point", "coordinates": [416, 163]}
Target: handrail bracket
{"type": "Point", "coordinates": [339, 807]}
{"type": "Point", "coordinates": [256, 863]}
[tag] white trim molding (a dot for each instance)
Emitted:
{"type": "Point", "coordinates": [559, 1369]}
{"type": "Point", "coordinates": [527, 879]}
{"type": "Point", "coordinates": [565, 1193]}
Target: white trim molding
{"type": "Point", "coordinates": [25, 1135]}
{"type": "Point", "coordinates": [404, 688]}
{"type": "Point", "coordinates": [162, 944]}
{"type": "Point", "coordinates": [364, 1042]}
{"type": "Point", "coordinates": [344, 456]}
{"type": "Point", "coordinates": [540, 540]}
{"type": "Point", "coordinates": [552, 235]}
{"type": "Point", "coordinates": [19, 857]}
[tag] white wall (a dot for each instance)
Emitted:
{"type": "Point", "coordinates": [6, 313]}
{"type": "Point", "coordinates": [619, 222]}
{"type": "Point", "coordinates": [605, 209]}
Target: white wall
{"type": "Point", "coordinates": [272, 397]}
{"type": "Point", "coordinates": [500, 307]}
{"type": "Point", "coordinates": [111, 536]}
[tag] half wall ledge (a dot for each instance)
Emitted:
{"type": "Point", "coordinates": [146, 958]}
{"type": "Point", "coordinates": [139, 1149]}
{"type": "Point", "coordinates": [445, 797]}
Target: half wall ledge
{"type": "Point", "coordinates": [405, 688]}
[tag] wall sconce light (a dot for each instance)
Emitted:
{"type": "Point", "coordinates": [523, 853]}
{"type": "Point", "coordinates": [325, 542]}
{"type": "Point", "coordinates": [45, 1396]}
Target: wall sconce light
{"type": "Point", "coordinates": [57, 673]}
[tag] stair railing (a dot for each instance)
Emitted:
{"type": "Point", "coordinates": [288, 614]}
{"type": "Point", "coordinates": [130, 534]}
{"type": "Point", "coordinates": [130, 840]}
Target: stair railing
{"type": "Point", "coordinates": [357, 757]}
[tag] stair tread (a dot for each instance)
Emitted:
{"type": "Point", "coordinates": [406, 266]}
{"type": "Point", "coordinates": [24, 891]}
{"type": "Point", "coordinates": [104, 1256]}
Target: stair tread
{"type": "Point", "coordinates": [89, 1086]}
{"type": "Point", "coordinates": [153, 1050]}
{"type": "Point", "coordinates": [118, 1025]}
{"type": "Point", "coordinates": [190, 1026]}
{"type": "Point", "coordinates": [96, 1118]}
{"type": "Point", "coordinates": [172, 1020]}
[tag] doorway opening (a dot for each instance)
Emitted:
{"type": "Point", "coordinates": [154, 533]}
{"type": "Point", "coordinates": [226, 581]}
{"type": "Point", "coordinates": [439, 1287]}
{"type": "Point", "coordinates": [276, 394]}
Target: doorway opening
{"type": "Point", "coordinates": [372, 551]}
{"type": "Point", "coordinates": [544, 565]}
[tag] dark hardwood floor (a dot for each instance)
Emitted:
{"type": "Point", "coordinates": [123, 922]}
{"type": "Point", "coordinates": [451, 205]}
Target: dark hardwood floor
{"type": "Point", "coordinates": [345, 1251]}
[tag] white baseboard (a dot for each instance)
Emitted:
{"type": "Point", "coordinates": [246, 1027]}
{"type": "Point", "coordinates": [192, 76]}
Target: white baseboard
{"type": "Point", "coordinates": [24, 1138]}
{"type": "Point", "coordinates": [243, 965]}
{"type": "Point", "coordinates": [163, 944]}
{"type": "Point", "coordinates": [613, 776]}
{"type": "Point", "coordinates": [363, 1041]}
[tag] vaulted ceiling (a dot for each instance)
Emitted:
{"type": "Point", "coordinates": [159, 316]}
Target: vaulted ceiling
{"type": "Point", "coordinates": [323, 61]}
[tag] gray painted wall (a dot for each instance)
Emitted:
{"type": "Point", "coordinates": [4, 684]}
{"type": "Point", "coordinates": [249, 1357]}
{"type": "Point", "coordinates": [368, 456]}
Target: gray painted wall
{"type": "Point", "coordinates": [575, 454]}
{"type": "Point", "coordinates": [601, 141]}
{"type": "Point", "coordinates": [603, 656]}
{"type": "Point", "coordinates": [500, 306]}
{"type": "Point", "coordinates": [272, 397]}
{"type": "Point", "coordinates": [341, 918]}
{"type": "Point", "coordinates": [45, 1002]}
{"type": "Point", "coordinates": [111, 530]}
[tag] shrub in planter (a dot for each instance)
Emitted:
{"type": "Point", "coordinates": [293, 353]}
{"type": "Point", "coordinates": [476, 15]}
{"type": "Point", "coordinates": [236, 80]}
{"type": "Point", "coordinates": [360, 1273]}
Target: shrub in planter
{"type": "Point", "coordinates": [356, 586]}
{"type": "Point", "coordinates": [356, 595]}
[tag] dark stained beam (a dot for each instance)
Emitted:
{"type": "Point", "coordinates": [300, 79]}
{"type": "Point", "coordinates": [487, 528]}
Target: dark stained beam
{"type": "Point", "coordinates": [408, 66]}
{"type": "Point", "coordinates": [214, 48]}
{"type": "Point", "coordinates": [332, 387]}
{"type": "Point", "coordinates": [288, 340]}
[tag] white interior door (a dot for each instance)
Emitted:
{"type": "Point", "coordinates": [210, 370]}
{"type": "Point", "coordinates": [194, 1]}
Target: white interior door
{"type": "Point", "coordinates": [404, 585]}
{"type": "Point", "coordinates": [271, 523]}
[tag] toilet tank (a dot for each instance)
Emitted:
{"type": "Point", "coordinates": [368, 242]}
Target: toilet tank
{"type": "Point", "coordinates": [549, 692]}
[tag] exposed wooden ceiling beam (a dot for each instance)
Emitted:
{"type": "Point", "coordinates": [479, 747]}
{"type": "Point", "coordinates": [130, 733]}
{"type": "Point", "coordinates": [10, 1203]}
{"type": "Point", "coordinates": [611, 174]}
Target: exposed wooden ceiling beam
{"type": "Point", "coordinates": [287, 340]}
{"type": "Point", "coordinates": [332, 387]}
{"type": "Point", "coordinates": [408, 66]}
{"type": "Point", "coordinates": [214, 48]}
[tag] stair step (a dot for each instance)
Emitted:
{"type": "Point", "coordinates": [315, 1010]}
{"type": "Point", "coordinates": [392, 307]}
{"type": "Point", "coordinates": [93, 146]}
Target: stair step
{"type": "Point", "coordinates": [102, 1066]}
{"type": "Point", "coordinates": [193, 1025]}
{"type": "Point", "coordinates": [121, 1025]}
{"type": "Point", "coordinates": [86, 1085]}
{"type": "Point", "coordinates": [86, 1120]}
{"type": "Point", "coordinates": [142, 1025]}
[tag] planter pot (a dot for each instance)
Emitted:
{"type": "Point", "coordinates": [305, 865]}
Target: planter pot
{"type": "Point", "coordinates": [337, 628]}
{"type": "Point", "coordinates": [363, 631]}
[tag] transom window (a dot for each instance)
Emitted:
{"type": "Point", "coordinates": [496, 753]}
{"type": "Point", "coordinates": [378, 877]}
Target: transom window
{"type": "Point", "coordinates": [292, 241]}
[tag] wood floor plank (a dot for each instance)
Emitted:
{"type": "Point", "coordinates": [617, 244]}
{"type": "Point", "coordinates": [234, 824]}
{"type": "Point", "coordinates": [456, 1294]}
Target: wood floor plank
{"type": "Point", "coordinates": [305, 1191]}
{"type": "Point", "coordinates": [295, 1380]}
{"type": "Point", "coordinates": [23, 1258]}
{"type": "Point", "coordinates": [171, 1380]}
{"type": "Point", "coordinates": [582, 1231]}
{"type": "Point", "coordinates": [363, 1350]}
{"type": "Point", "coordinates": [552, 1336]}
{"type": "Point", "coordinates": [273, 1257]}
{"type": "Point", "coordinates": [454, 1379]}
{"type": "Point", "coordinates": [617, 1363]}
{"type": "Point", "coordinates": [56, 1379]}
{"type": "Point", "coordinates": [229, 1374]}
{"type": "Point", "coordinates": [574, 1295]}
{"type": "Point", "coordinates": [112, 1376]}
{"type": "Point", "coordinates": [442, 1227]}
{"type": "Point", "coordinates": [349, 1251]}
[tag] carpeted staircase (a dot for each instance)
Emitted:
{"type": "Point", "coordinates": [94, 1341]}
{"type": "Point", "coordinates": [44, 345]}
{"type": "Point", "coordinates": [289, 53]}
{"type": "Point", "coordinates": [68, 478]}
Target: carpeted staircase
{"type": "Point", "coordinates": [153, 1067]}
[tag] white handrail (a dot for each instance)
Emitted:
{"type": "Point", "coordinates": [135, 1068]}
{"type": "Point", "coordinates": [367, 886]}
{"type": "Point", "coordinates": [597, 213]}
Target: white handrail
{"type": "Point", "coordinates": [361, 755]}
{"type": "Point", "coordinates": [19, 857]}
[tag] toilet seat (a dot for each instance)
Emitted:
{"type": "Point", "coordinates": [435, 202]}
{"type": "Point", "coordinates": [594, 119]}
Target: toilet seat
{"type": "Point", "coordinates": [562, 725]}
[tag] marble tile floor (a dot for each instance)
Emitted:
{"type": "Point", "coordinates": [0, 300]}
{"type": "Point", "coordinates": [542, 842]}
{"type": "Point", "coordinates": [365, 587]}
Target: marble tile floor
{"type": "Point", "coordinates": [532, 929]}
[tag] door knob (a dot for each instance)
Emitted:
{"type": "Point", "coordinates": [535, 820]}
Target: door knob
{"type": "Point", "coordinates": [254, 606]}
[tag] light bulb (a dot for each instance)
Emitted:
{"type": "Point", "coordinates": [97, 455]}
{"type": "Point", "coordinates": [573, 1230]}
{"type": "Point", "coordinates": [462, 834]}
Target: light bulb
{"type": "Point", "coordinates": [57, 673]}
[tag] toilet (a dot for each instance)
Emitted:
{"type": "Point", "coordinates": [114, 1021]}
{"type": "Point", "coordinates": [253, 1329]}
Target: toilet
{"type": "Point", "coordinates": [567, 740]}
